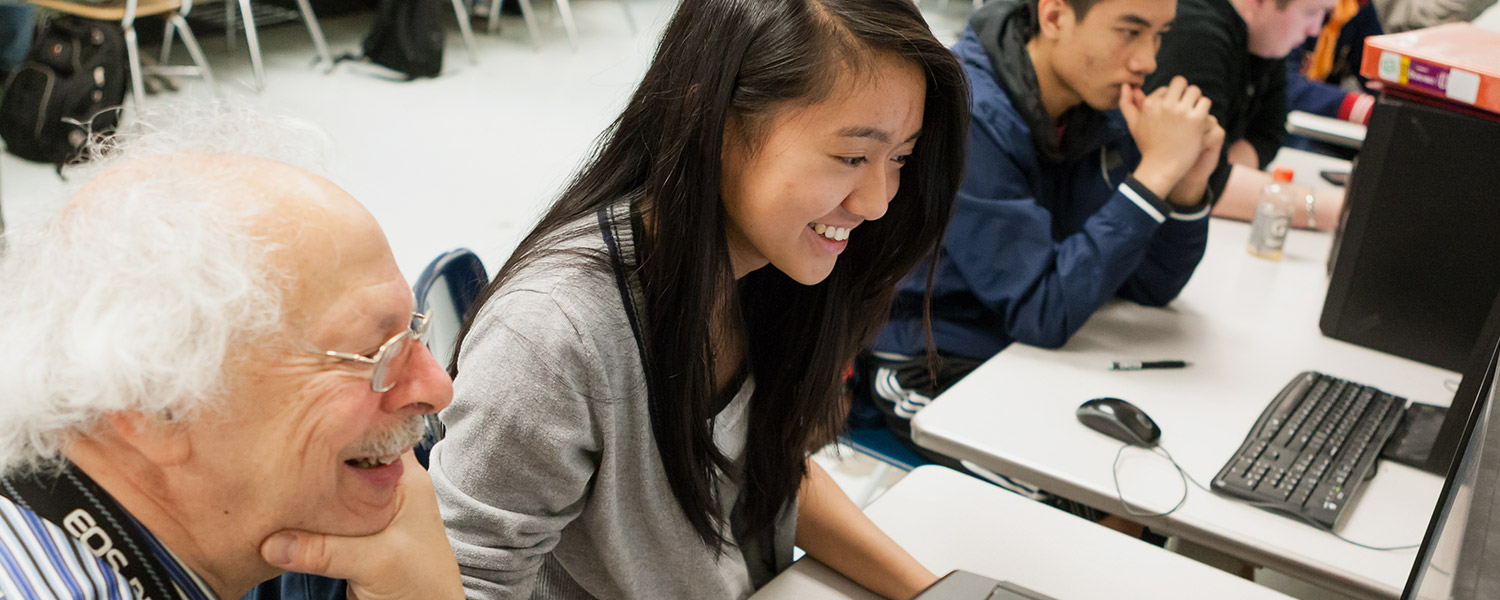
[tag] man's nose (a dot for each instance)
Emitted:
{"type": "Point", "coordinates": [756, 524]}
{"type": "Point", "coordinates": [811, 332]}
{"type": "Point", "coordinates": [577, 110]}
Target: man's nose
{"type": "Point", "coordinates": [1143, 60]}
{"type": "Point", "coordinates": [424, 386]}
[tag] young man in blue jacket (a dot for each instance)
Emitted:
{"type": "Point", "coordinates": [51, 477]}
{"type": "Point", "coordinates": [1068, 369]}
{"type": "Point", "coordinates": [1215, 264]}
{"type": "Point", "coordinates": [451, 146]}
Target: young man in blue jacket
{"type": "Point", "coordinates": [1078, 188]}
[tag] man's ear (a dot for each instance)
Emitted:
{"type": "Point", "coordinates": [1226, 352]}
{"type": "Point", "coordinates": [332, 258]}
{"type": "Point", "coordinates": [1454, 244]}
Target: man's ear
{"type": "Point", "coordinates": [158, 437]}
{"type": "Point", "coordinates": [1051, 16]}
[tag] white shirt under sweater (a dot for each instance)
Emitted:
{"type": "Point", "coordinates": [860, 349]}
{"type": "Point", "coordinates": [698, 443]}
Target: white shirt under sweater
{"type": "Point", "coordinates": [549, 480]}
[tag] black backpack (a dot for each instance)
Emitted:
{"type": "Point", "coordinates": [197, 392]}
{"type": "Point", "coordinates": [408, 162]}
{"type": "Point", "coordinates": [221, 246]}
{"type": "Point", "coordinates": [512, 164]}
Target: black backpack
{"type": "Point", "coordinates": [407, 37]}
{"type": "Point", "coordinates": [71, 86]}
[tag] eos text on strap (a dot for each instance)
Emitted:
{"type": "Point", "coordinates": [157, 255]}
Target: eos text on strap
{"type": "Point", "coordinates": [69, 499]}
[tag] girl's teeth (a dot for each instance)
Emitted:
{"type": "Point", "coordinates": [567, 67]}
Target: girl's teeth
{"type": "Point", "coordinates": [837, 234]}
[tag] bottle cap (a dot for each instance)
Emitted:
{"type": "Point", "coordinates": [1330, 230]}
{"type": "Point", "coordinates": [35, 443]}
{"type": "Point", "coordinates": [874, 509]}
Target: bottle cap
{"type": "Point", "coordinates": [1282, 174]}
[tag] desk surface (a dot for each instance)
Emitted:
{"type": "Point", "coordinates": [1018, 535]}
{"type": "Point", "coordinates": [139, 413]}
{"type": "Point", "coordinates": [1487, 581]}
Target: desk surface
{"type": "Point", "coordinates": [1248, 326]}
{"type": "Point", "coordinates": [952, 521]}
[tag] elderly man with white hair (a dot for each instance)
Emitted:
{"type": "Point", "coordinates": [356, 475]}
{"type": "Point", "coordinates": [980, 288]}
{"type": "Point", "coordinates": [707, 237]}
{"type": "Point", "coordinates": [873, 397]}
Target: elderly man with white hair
{"type": "Point", "coordinates": [211, 374]}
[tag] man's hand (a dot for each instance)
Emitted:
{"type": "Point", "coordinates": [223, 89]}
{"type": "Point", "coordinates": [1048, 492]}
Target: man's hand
{"type": "Point", "coordinates": [409, 560]}
{"type": "Point", "coordinates": [1170, 127]}
{"type": "Point", "coordinates": [1189, 190]}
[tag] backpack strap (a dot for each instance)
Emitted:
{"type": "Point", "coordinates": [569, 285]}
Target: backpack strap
{"type": "Point", "coordinates": [68, 498]}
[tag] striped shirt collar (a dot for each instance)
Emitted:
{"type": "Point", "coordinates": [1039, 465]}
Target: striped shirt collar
{"type": "Point", "coordinates": [38, 559]}
{"type": "Point", "coordinates": [189, 585]}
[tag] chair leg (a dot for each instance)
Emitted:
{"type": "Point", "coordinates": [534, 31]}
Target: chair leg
{"type": "Point", "coordinates": [629, 18]}
{"type": "Point", "coordinates": [530, 17]}
{"type": "Point", "coordinates": [316, 31]}
{"type": "Point", "coordinates": [493, 25]}
{"type": "Point", "coordinates": [230, 31]}
{"type": "Point", "coordinates": [567, 18]}
{"type": "Point", "coordinates": [191, 43]}
{"type": "Point", "coordinates": [252, 40]}
{"type": "Point", "coordinates": [166, 44]}
{"type": "Point", "coordinates": [137, 76]}
{"type": "Point", "coordinates": [463, 28]}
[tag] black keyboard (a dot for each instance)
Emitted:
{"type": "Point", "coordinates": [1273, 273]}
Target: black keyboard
{"type": "Point", "coordinates": [1312, 449]}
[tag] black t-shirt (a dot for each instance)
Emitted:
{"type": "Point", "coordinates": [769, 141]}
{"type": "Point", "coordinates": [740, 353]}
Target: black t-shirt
{"type": "Point", "coordinates": [1209, 45]}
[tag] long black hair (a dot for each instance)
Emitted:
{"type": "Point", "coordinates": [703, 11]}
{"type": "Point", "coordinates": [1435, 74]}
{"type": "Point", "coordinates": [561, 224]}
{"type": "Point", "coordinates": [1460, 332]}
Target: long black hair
{"type": "Point", "coordinates": [750, 59]}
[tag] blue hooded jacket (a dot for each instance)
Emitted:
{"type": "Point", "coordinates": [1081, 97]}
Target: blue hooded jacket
{"type": "Point", "coordinates": [1046, 227]}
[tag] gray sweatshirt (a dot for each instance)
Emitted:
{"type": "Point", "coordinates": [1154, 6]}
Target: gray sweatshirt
{"type": "Point", "coordinates": [549, 480]}
{"type": "Point", "coordinates": [1405, 15]}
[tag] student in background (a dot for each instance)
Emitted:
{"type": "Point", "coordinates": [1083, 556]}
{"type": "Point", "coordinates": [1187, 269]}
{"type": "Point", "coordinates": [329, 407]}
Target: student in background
{"type": "Point", "coordinates": [1323, 73]}
{"type": "Point", "coordinates": [642, 384]}
{"type": "Point", "coordinates": [1234, 50]}
{"type": "Point", "coordinates": [1066, 202]}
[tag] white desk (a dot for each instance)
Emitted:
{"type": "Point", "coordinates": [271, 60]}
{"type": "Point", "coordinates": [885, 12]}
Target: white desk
{"type": "Point", "coordinates": [952, 521]}
{"type": "Point", "coordinates": [1248, 326]}
{"type": "Point", "coordinates": [1306, 167]}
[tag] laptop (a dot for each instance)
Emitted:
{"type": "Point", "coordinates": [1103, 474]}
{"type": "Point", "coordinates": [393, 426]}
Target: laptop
{"type": "Point", "coordinates": [963, 585]}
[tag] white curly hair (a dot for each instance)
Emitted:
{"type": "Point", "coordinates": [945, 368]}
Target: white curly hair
{"type": "Point", "coordinates": [134, 296]}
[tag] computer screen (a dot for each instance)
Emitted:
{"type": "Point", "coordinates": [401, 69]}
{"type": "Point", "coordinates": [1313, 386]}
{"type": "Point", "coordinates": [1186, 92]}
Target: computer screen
{"type": "Point", "coordinates": [1462, 545]}
{"type": "Point", "coordinates": [1476, 378]}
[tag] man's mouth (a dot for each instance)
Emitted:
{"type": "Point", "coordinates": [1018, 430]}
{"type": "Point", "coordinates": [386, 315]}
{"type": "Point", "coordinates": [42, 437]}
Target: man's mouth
{"type": "Point", "coordinates": [372, 462]}
{"type": "Point", "coordinates": [386, 447]}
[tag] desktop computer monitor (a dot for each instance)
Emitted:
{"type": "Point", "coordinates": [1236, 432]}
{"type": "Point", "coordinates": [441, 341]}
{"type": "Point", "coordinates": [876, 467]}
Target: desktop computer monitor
{"type": "Point", "coordinates": [1462, 544]}
{"type": "Point", "coordinates": [1416, 260]}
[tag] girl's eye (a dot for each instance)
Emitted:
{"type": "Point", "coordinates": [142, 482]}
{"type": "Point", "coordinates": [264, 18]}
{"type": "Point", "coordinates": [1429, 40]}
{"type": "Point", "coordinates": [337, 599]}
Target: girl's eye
{"type": "Point", "coordinates": [1130, 34]}
{"type": "Point", "coordinates": [852, 161]}
{"type": "Point", "coordinates": [901, 159]}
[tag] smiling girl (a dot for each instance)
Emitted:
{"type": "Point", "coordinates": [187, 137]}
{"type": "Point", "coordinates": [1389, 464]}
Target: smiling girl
{"type": "Point", "coordinates": [638, 393]}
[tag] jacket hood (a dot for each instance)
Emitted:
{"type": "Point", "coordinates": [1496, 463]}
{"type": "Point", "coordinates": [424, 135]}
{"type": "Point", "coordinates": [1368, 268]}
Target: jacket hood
{"type": "Point", "coordinates": [1003, 27]}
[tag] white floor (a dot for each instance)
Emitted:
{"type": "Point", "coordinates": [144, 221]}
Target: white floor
{"type": "Point", "coordinates": [470, 158]}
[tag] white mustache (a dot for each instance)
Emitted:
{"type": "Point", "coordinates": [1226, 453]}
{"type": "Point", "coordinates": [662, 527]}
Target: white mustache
{"type": "Point", "coordinates": [395, 440]}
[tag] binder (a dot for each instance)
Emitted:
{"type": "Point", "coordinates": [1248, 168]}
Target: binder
{"type": "Point", "coordinates": [1457, 62]}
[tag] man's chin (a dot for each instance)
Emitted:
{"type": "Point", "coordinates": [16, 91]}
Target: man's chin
{"type": "Point", "coordinates": [366, 507]}
{"type": "Point", "coordinates": [359, 520]}
{"type": "Point", "coordinates": [1105, 101]}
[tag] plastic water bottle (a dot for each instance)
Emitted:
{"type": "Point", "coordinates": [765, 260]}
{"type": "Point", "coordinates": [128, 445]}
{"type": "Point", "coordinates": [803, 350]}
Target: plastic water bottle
{"type": "Point", "coordinates": [1273, 216]}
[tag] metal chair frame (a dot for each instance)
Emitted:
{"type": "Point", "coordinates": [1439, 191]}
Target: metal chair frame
{"type": "Point", "coordinates": [563, 8]}
{"type": "Point", "coordinates": [126, 15]}
{"type": "Point", "coordinates": [252, 39]}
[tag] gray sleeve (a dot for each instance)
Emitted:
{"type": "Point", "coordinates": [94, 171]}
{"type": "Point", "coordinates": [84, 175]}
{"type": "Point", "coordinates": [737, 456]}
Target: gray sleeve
{"type": "Point", "coordinates": [1404, 15]}
{"type": "Point", "coordinates": [521, 445]}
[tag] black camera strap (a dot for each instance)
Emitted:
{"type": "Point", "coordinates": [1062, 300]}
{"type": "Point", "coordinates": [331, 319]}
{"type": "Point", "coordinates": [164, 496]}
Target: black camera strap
{"type": "Point", "coordinates": [68, 498]}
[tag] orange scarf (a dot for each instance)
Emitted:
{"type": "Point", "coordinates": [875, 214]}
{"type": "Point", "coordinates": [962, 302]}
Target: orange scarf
{"type": "Point", "coordinates": [1320, 62]}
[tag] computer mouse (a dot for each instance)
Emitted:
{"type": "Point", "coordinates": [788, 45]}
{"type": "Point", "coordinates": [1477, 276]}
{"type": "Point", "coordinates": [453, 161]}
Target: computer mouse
{"type": "Point", "coordinates": [1119, 419]}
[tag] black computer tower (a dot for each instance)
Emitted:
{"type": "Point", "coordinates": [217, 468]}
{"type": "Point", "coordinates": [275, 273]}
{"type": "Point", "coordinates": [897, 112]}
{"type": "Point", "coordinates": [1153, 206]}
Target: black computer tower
{"type": "Point", "coordinates": [1416, 261]}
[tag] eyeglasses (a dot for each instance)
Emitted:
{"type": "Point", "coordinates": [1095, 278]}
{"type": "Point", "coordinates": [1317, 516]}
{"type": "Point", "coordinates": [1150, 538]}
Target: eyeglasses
{"type": "Point", "coordinates": [381, 380]}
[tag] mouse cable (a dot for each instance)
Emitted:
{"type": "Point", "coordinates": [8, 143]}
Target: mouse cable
{"type": "Point", "coordinates": [1186, 477]}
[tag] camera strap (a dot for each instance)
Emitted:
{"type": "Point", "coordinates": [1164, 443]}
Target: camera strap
{"type": "Point", "coordinates": [68, 498]}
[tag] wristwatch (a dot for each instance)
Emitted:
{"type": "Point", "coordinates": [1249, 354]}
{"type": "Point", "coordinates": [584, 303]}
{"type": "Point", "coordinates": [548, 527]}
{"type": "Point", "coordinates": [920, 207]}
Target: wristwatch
{"type": "Point", "coordinates": [1312, 221]}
